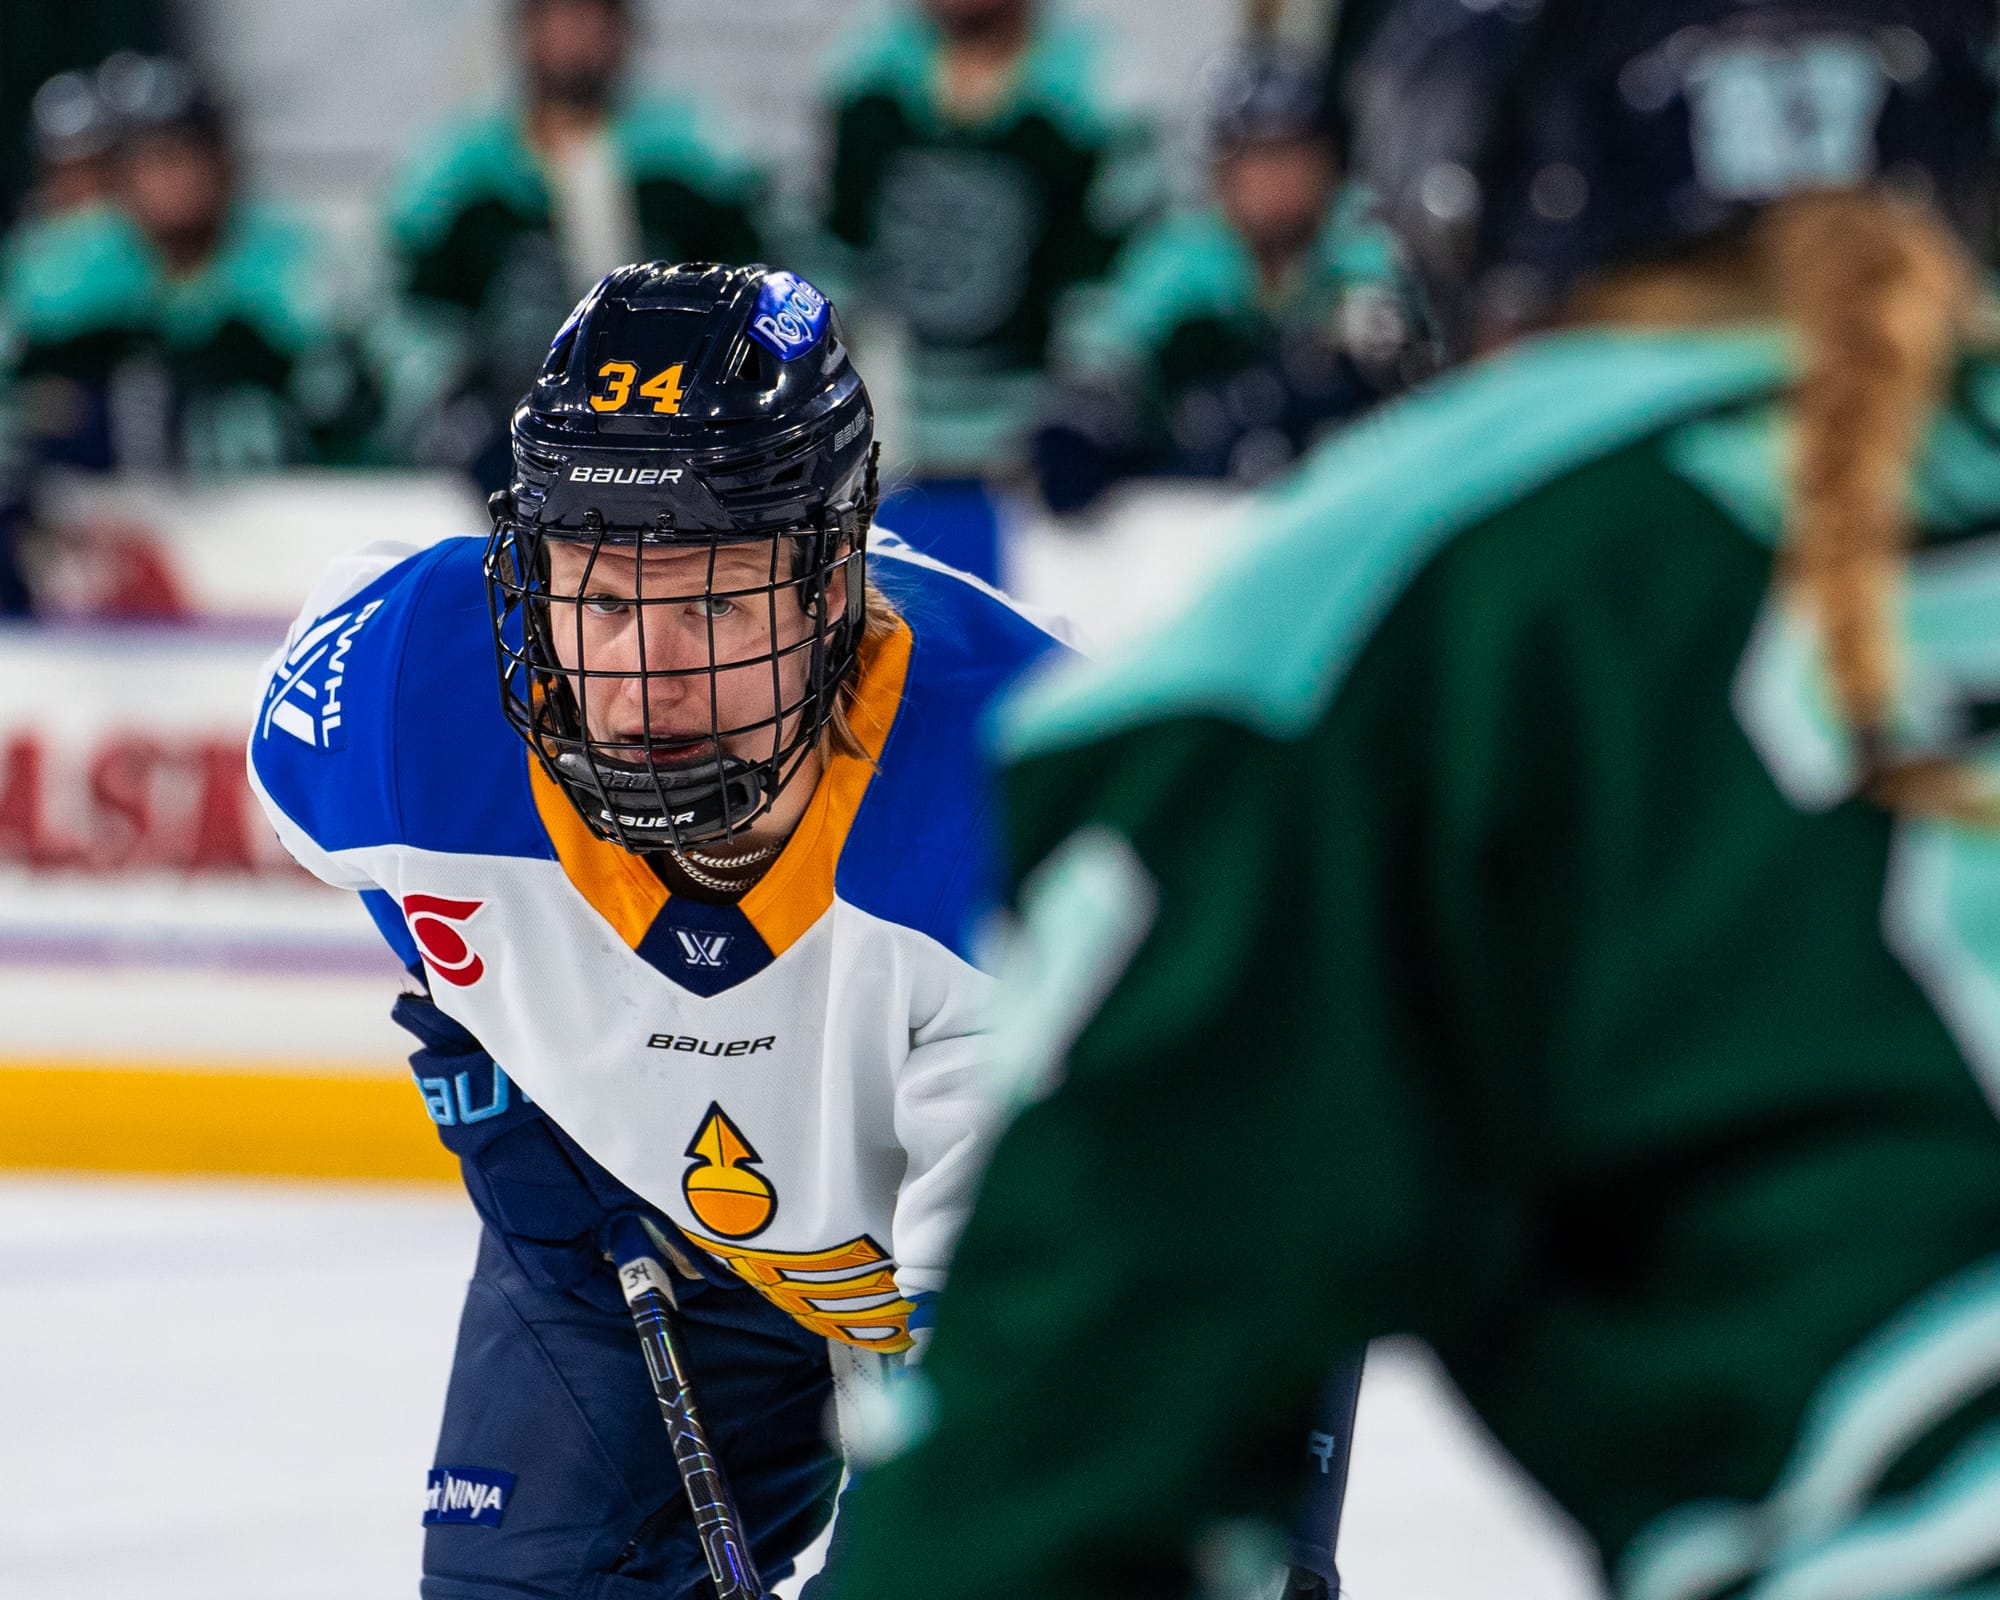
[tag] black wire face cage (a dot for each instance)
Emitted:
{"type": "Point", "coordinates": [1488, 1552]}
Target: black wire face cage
{"type": "Point", "coordinates": [683, 769]}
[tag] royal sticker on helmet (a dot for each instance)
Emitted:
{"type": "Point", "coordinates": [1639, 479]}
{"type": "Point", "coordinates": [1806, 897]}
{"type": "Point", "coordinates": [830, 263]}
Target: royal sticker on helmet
{"type": "Point", "coordinates": [790, 316]}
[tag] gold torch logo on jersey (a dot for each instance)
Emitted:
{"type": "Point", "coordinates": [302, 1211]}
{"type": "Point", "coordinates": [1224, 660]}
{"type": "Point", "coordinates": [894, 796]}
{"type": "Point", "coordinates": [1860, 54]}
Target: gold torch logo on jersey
{"type": "Point", "coordinates": [847, 1292]}
{"type": "Point", "coordinates": [723, 1188]}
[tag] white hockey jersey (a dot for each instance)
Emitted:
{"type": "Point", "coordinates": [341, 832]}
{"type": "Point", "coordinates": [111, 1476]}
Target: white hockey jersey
{"type": "Point", "coordinates": [792, 1078]}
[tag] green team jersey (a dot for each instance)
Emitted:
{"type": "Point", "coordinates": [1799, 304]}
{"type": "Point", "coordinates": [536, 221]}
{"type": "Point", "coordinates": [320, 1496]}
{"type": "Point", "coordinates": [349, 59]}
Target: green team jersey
{"type": "Point", "coordinates": [971, 234]}
{"type": "Point", "coordinates": [1185, 301]}
{"type": "Point", "coordinates": [1187, 363]}
{"type": "Point", "coordinates": [1465, 923]}
{"type": "Point", "coordinates": [472, 227]}
{"type": "Point", "coordinates": [245, 364]}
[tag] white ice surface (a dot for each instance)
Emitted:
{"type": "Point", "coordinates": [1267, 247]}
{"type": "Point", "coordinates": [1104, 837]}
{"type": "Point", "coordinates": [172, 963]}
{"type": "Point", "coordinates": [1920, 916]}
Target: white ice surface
{"type": "Point", "coordinates": [218, 1391]}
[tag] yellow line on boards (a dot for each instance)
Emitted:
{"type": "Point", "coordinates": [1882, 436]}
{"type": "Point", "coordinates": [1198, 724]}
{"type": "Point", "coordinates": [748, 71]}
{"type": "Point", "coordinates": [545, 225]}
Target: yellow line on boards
{"type": "Point", "coordinates": [109, 1118]}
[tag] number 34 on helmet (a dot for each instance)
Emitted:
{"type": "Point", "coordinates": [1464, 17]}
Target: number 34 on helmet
{"type": "Point", "coordinates": [694, 475]}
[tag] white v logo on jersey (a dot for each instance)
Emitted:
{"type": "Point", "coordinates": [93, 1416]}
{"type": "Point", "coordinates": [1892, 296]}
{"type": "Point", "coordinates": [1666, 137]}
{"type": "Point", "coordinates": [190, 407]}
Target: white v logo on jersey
{"type": "Point", "coordinates": [702, 949]}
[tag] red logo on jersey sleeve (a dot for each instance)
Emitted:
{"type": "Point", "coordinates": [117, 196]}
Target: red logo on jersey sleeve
{"type": "Point", "coordinates": [431, 918]}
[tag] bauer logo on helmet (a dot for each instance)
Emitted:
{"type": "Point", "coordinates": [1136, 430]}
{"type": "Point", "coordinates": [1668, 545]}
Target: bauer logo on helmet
{"type": "Point", "coordinates": [637, 475]}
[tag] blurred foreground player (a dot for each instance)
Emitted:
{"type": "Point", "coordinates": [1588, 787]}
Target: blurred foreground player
{"type": "Point", "coordinates": [701, 879]}
{"type": "Point", "coordinates": [1543, 899]}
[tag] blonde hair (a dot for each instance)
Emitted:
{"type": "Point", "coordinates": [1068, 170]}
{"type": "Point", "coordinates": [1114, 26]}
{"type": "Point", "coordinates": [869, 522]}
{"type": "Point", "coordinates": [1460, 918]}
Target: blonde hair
{"type": "Point", "coordinates": [879, 620]}
{"type": "Point", "coordinates": [1880, 296]}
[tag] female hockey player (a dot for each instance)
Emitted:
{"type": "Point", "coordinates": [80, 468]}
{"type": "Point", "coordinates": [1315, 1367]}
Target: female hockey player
{"type": "Point", "coordinates": [1543, 899]}
{"type": "Point", "coordinates": [701, 876]}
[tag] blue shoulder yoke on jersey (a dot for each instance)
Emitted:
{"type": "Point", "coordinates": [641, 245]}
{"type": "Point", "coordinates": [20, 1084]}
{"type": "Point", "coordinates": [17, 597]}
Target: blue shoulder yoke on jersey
{"type": "Point", "coordinates": [924, 852]}
{"type": "Point", "coordinates": [383, 727]}
{"type": "Point", "coordinates": [383, 724]}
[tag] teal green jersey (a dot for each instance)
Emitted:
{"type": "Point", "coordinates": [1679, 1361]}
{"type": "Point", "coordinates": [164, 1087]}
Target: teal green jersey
{"type": "Point", "coordinates": [463, 207]}
{"type": "Point", "coordinates": [1465, 922]}
{"type": "Point", "coordinates": [483, 274]}
{"type": "Point", "coordinates": [1191, 278]}
{"type": "Point", "coordinates": [1190, 364]}
{"type": "Point", "coordinates": [972, 233]}
{"type": "Point", "coordinates": [246, 363]}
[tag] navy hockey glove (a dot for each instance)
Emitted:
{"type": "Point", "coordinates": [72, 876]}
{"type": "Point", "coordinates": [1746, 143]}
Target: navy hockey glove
{"type": "Point", "coordinates": [532, 1184]}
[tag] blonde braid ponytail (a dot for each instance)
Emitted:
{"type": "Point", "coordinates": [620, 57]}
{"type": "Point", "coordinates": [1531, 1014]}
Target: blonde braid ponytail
{"type": "Point", "coordinates": [1879, 294]}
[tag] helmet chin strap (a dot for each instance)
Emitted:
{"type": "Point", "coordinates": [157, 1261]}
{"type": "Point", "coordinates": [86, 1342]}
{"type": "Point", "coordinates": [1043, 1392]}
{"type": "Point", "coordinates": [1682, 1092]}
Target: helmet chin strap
{"type": "Point", "coordinates": [719, 798]}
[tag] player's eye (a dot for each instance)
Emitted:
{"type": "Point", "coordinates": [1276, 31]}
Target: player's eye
{"type": "Point", "coordinates": [606, 605]}
{"type": "Point", "coordinates": [713, 607]}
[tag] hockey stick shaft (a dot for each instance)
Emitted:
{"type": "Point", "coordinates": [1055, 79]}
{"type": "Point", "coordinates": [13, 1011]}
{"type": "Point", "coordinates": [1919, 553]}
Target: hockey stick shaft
{"type": "Point", "coordinates": [718, 1524]}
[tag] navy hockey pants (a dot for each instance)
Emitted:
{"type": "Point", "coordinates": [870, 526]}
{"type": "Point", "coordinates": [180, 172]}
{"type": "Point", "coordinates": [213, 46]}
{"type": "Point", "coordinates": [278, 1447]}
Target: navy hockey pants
{"type": "Point", "coordinates": [554, 1479]}
{"type": "Point", "coordinates": [551, 1392]}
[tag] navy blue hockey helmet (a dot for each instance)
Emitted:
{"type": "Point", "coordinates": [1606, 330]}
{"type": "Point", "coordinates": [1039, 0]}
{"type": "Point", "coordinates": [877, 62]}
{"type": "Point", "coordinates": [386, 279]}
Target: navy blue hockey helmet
{"type": "Point", "coordinates": [1516, 145]}
{"type": "Point", "coordinates": [1263, 92]}
{"type": "Point", "coordinates": [690, 407]}
{"type": "Point", "coordinates": [158, 96]}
